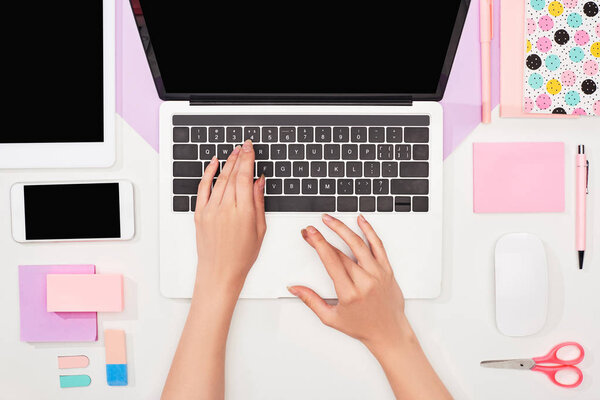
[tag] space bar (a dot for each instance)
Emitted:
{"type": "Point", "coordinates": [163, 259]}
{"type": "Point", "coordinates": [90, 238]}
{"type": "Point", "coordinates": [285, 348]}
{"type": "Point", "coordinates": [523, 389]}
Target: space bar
{"type": "Point", "coordinates": [300, 203]}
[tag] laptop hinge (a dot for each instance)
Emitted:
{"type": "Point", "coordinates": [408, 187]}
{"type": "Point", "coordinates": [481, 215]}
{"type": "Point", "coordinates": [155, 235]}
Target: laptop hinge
{"type": "Point", "coordinates": [317, 100]}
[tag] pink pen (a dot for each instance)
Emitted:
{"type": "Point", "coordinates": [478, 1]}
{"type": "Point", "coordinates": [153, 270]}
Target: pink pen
{"type": "Point", "coordinates": [485, 28]}
{"type": "Point", "coordinates": [581, 190]}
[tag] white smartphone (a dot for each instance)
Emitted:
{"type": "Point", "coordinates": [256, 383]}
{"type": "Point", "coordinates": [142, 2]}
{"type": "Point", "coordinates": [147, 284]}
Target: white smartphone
{"type": "Point", "coordinates": [72, 211]}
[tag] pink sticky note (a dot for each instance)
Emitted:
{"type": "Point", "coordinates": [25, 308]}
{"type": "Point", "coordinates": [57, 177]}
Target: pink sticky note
{"type": "Point", "coordinates": [518, 177]}
{"type": "Point", "coordinates": [39, 325]}
{"type": "Point", "coordinates": [85, 292]}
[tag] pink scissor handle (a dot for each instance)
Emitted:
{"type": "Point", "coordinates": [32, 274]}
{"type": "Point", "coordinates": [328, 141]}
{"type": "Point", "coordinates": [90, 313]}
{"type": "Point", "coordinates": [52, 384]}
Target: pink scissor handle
{"type": "Point", "coordinates": [552, 371]}
{"type": "Point", "coordinates": [552, 356]}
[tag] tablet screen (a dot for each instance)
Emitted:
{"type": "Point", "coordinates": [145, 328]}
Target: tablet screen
{"type": "Point", "coordinates": [56, 66]}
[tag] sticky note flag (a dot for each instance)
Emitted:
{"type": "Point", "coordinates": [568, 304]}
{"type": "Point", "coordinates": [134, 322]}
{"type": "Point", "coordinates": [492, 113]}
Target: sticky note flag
{"type": "Point", "coordinates": [39, 325]}
{"type": "Point", "coordinates": [116, 357]}
{"type": "Point", "coordinates": [66, 362]}
{"type": "Point", "coordinates": [85, 292]}
{"type": "Point", "coordinates": [68, 381]}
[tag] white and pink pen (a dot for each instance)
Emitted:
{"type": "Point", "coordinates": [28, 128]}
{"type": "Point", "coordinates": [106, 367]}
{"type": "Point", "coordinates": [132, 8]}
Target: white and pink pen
{"type": "Point", "coordinates": [581, 190]}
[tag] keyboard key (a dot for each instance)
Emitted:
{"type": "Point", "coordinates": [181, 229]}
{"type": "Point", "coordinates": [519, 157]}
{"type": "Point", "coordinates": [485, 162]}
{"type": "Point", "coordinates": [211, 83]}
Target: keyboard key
{"type": "Point", "coordinates": [389, 169]}
{"type": "Point", "coordinates": [185, 151]}
{"type": "Point", "coordinates": [181, 203]}
{"type": "Point", "coordinates": [323, 134]}
{"type": "Point", "coordinates": [264, 168]}
{"type": "Point", "coordinates": [261, 151]}
{"type": "Point", "coordinates": [420, 152]}
{"type": "Point", "coordinates": [296, 152]}
{"type": "Point", "coordinates": [327, 186]}
{"type": "Point", "coordinates": [181, 134]}
{"type": "Point", "coordinates": [291, 186]}
{"type": "Point", "coordinates": [216, 134]}
{"type": "Point", "coordinates": [385, 152]}
{"type": "Point", "coordinates": [283, 169]}
{"type": "Point", "coordinates": [224, 150]}
{"type": "Point", "coordinates": [347, 204]}
{"type": "Point", "coordinates": [410, 186]}
{"type": "Point", "coordinates": [188, 169]}
{"type": "Point", "coordinates": [234, 134]}
{"type": "Point", "coordinates": [416, 135]}
{"type": "Point", "coordinates": [402, 203]}
{"type": "Point", "coordinates": [381, 186]}
{"type": "Point", "coordinates": [300, 168]}
{"type": "Point", "coordinates": [300, 203]}
{"type": "Point", "coordinates": [193, 203]}
{"type": "Point", "coordinates": [358, 134]}
{"type": "Point", "coordinates": [345, 186]}
{"type": "Point", "coordinates": [287, 135]}
{"type": "Point", "coordinates": [420, 204]}
{"type": "Point", "coordinates": [310, 186]}
{"type": "Point", "coordinates": [376, 135]}
{"type": "Point", "coordinates": [366, 203]}
{"type": "Point", "coordinates": [198, 134]}
{"type": "Point", "coordinates": [354, 169]}
{"type": "Point", "coordinates": [414, 169]}
{"type": "Point", "coordinates": [371, 169]}
{"type": "Point", "coordinates": [314, 152]}
{"type": "Point", "coordinates": [349, 152]}
{"type": "Point", "coordinates": [394, 135]}
{"type": "Point", "coordinates": [207, 151]}
{"type": "Point", "coordinates": [270, 134]}
{"type": "Point", "coordinates": [305, 134]}
{"type": "Point", "coordinates": [341, 134]}
{"type": "Point", "coordinates": [274, 186]}
{"type": "Point", "coordinates": [362, 186]}
{"type": "Point", "coordinates": [252, 133]}
{"type": "Point", "coordinates": [278, 151]}
{"type": "Point", "coordinates": [318, 169]}
{"type": "Point", "coordinates": [185, 186]}
{"type": "Point", "coordinates": [332, 152]}
{"type": "Point", "coordinates": [385, 204]}
{"type": "Point", "coordinates": [336, 169]}
{"type": "Point", "coordinates": [403, 152]}
{"type": "Point", "coordinates": [367, 151]}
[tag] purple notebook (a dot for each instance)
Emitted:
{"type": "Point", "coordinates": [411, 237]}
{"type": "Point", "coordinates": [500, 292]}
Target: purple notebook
{"type": "Point", "coordinates": [39, 325]}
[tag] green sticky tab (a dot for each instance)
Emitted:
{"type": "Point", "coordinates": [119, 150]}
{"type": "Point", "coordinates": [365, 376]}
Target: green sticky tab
{"type": "Point", "coordinates": [67, 381]}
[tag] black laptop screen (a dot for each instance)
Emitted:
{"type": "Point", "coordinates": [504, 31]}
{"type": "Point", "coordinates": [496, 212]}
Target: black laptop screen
{"type": "Point", "coordinates": [299, 47]}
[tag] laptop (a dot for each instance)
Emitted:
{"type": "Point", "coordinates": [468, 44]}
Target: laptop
{"type": "Point", "coordinates": [342, 107]}
{"type": "Point", "coordinates": [63, 64]}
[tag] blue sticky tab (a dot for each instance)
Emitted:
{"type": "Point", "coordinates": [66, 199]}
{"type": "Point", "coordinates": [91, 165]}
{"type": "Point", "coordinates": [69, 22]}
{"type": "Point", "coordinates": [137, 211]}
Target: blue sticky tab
{"type": "Point", "coordinates": [116, 374]}
{"type": "Point", "coordinates": [67, 381]}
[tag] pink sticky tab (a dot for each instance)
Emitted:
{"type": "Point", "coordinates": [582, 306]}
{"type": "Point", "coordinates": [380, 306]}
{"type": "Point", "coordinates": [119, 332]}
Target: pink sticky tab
{"type": "Point", "coordinates": [114, 344]}
{"type": "Point", "coordinates": [85, 292]}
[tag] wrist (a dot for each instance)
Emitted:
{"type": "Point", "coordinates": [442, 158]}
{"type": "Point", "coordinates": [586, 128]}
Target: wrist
{"type": "Point", "coordinates": [400, 338]}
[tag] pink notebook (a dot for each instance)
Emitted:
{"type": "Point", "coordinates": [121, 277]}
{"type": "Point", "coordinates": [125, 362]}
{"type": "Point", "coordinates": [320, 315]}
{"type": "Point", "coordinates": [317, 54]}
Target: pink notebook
{"type": "Point", "coordinates": [518, 177]}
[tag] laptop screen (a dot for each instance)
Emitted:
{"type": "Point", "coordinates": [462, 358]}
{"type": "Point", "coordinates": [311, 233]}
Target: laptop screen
{"type": "Point", "coordinates": [300, 48]}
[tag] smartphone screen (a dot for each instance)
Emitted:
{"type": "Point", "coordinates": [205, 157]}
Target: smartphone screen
{"type": "Point", "coordinates": [72, 211]}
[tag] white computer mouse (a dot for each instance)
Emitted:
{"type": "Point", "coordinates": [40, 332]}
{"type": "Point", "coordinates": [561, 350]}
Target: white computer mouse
{"type": "Point", "coordinates": [521, 284]}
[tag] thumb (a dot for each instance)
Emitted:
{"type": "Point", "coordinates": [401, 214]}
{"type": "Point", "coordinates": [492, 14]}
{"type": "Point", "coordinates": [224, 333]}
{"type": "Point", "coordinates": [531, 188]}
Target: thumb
{"type": "Point", "coordinates": [323, 310]}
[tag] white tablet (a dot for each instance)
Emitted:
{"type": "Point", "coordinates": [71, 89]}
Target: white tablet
{"type": "Point", "coordinates": [63, 109]}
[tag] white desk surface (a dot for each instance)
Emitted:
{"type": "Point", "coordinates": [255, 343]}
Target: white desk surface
{"type": "Point", "coordinates": [277, 349]}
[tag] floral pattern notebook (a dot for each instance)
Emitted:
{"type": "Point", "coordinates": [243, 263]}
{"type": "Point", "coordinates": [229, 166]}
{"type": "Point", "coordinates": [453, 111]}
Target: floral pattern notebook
{"type": "Point", "coordinates": [562, 59]}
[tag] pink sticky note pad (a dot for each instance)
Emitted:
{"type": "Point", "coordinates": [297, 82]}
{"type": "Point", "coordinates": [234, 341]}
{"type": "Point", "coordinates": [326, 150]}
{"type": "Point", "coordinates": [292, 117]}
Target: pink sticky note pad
{"type": "Point", "coordinates": [85, 292]}
{"type": "Point", "coordinates": [39, 325]}
{"type": "Point", "coordinates": [518, 177]}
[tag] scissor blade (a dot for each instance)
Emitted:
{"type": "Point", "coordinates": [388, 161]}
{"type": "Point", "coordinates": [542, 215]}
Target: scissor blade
{"type": "Point", "coordinates": [523, 363]}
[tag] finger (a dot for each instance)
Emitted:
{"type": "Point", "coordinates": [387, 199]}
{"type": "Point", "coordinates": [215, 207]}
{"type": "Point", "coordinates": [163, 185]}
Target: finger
{"type": "Point", "coordinates": [206, 183]}
{"type": "Point", "coordinates": [328, 255]}
{"type": "Point", "coordinates": [230, 195]}
{"type": "Point", "coordinates": [259, 204]}
{"type": "Point", "coordinates": [358, 246]}
{"type": "Point", "coordinates": [244, 191]}
{"type": "Point", "coordinates": [374, 241]}
{"type": "Point", "coordinates": [217, 193]}
{"type": "Point", "coordinates": [355, 272]}
{"type": "Point", "coordinates": [324, 311]}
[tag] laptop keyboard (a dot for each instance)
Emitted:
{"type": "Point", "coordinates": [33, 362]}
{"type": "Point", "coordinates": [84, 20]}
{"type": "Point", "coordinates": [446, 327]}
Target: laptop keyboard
{"type": "Point", "coordinates": [352, 163]}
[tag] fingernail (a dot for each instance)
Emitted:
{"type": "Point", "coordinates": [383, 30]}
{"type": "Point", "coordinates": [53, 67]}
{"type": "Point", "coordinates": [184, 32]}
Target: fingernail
{"type": "Point", "coordinates": [327, 218]}
{"type": "Point", "coordinates": [362, 218]}
{"type": "Point", "coordinates": [247, 147]}
{"type": "Point", "coordinates": [236, 150]}
{"type": "Point", "coordinates": [292, 290]}
{"type": "Point", "coordinates": [261, 182]}
{"type": "Point", "coordinates": [311, 229]}
{"type": "Point", "coordinates": [303, 233]}
{"type": "Point", "coordinates": [213, 160]}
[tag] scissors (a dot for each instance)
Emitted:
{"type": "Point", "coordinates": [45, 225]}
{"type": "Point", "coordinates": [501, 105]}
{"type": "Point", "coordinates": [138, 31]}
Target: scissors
{"type": "Point", "coordinates": [535, 364]}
